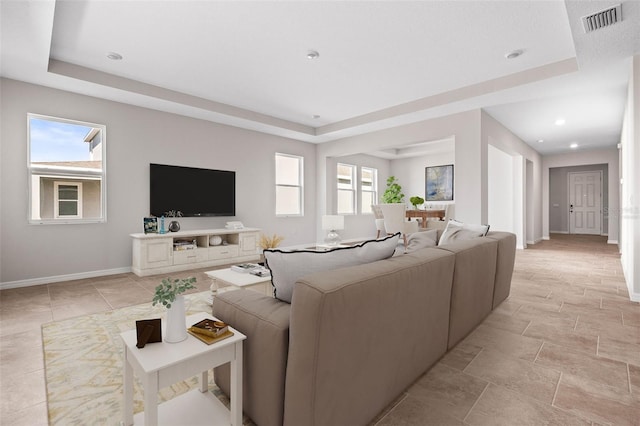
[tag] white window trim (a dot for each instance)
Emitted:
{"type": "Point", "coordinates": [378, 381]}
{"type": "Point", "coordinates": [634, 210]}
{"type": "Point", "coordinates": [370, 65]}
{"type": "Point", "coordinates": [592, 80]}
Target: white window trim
{"type": "Point", "coordinates": [35, 172]}
{"type": "Point", "coordinates": [353, 189]}
{"type": "Point", "coordinates": [374, 185]}
{"type": "Point", "coordinates": [56, 199]}
{"type": "Point", "coordinates": [300, 186]}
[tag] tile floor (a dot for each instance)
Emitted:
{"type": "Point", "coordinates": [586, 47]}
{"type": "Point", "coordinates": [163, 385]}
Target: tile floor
{"type": "Point", "coordinates": [564, 348]}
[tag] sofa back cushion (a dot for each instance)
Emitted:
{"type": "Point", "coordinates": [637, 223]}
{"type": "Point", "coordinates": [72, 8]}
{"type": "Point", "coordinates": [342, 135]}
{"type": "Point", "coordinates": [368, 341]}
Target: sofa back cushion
{"type": "Point", "coordinates": [461, 231]}
{"type": "Point", "coordinates": [422, 239]}
{"type": "Point", "coordinates": [288, 266]}
{"type": "Point", "coordinates": [361, 335]}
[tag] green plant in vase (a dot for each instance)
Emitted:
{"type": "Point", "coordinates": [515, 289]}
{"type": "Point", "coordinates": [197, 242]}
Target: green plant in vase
{"type": "Point", "coordinates": [167, 292]}
{"type": "Point", "coordinates": [416, 201]}
{"type": "Point", "coordinates": [393, 193]}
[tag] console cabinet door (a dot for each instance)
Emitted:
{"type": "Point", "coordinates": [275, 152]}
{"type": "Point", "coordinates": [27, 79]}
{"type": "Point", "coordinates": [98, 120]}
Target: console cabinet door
{"type": "Point", "coordinates": [249, 243]}
{"type": "Point", "coordinates": [157, 253]}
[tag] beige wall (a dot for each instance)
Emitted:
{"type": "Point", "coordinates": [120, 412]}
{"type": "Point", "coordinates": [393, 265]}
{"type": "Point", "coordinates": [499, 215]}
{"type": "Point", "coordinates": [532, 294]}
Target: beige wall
{"type": "Point", "coordinates": [34, 254]}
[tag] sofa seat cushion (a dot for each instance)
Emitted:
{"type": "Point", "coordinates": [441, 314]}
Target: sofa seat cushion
{"type": "Point", "coordinates": [462, 231]}
{"type": "Point", "coordinates": [288, 266]}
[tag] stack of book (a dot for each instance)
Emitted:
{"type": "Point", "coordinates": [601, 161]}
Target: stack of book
{"type": "Point", "coordinates": [179, 245]}
{"type": "Point", "coordinates": [244, 267]}
{"type": "Point", "coordinates": [210, 331]}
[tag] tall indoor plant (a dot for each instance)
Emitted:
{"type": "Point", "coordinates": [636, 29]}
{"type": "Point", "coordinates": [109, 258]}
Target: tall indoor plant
{"type": "Point", "coordinates": [169, 294]}
{"type": "Point", "coordinates": [393, 193]}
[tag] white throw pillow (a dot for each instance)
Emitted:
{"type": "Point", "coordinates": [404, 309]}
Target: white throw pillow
{"type": "Point", "coordinates": [288, 266]}
{"type": "Point", "coordinates": [423, 239]}
{"type": "Point", "coordinates": [461, 231]}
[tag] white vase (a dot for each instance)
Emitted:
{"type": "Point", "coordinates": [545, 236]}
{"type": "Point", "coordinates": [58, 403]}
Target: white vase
{"type": "Point", "coordinates": [176, 330]}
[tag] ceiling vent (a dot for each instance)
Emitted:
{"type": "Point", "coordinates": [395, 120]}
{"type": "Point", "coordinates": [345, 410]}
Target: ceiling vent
{"type": "Point", "coordinates": [602, 19]}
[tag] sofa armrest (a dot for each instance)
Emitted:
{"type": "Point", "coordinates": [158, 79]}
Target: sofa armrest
{"type": "Point", "coordinates": [473, 283]}
{"type": "Point", "coordinates": [265, 322]}
{"type": "Point", "coordinates": [504, 265]}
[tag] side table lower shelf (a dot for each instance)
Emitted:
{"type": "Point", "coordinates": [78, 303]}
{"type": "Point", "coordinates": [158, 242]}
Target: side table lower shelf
{"type": "Point", "coordinates": [200, 408]}
{"type": "Point", "coordinates": [159, 365]}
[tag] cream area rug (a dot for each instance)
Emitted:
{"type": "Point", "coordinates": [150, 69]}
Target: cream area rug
{"type": "Point", "coordinates": [84, 365]}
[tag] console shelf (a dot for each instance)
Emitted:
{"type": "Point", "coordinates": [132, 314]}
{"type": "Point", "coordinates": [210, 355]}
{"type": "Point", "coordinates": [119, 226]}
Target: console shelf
{"type": "Point", "coordinates": [159, 254]}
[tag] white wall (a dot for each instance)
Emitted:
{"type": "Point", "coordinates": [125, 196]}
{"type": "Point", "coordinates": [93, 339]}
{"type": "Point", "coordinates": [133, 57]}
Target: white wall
{"type": "Point", "coordinates": [33, 254]}
{"type": "Point", "coordinates": [527, 166]}
{"type": "Point", "coordinates": [586, 158]}
{"type": "Point", "coordinates": [500, 190]}
{"type": "Point", "coordinates": [411, 173]}
{"type": "Point", "coordinates": [630, 186]}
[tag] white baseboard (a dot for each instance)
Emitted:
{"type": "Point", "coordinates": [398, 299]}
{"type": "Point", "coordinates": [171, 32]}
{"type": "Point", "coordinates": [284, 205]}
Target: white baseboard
{"type": "Point", "coordinates": [558, 232]}
{"type": "Point", "coordinates": [612, 241]}
{"type": "Point", "coordinates": [58, 278]}
{"type": "Point", "coordinates": [546, 237]}
{"type": "Point", "coordinates": [635, 297]}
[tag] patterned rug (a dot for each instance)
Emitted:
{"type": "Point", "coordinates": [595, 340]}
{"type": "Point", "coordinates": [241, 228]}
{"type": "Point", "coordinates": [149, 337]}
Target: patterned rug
{"type": "Point", "coordinates": [84, 365]}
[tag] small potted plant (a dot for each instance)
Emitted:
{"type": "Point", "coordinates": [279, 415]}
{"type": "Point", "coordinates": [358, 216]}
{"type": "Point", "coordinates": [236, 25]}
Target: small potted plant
{"type": "Point", "coordinates": [269, 242]}
{"type": "Point", "coordinates": [416, 201]}
{"type": "Point", "coordinates": [169, 294]}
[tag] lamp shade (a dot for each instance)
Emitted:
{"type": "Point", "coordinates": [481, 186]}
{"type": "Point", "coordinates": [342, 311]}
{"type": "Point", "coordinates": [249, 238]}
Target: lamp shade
{"type": "Point", "coordinates": [332, 222]}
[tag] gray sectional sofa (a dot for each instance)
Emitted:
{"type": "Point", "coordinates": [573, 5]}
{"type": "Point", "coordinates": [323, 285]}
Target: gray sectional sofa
{"type": "Point", "coordinates": [353, 339]}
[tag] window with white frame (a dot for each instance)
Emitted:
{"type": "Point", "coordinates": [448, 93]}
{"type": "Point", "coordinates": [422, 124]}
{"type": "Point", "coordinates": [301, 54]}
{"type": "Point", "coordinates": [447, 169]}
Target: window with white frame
{"type": "Point", "coordinates": [67, 199]}
{"type": "Point", "coordinates": [346, 179]}
{"type": "Point", "coordinates": [67, 172]}
{"type": "Point", "coordinates": [368, 189]}
{"type": "Point", "coordinates": [289, 185]}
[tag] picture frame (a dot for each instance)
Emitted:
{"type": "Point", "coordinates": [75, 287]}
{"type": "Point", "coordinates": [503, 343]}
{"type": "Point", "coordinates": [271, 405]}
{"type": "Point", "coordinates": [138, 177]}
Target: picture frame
{"type": "Point", "coordinates": [439, 183]}
{"type": "Point", "coordinates": [150, 225]}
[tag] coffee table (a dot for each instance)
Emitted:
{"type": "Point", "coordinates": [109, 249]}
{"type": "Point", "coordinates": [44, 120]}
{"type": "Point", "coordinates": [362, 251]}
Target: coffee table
{"type": "Point", "coordinates": [159, 365]}
{"type": "Point", "coordinates": [228, 279]}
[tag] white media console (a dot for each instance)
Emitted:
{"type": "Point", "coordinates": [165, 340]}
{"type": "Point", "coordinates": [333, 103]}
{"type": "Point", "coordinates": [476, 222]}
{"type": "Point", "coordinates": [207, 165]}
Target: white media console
{"type": "Point", "coordinates": [178, 251]}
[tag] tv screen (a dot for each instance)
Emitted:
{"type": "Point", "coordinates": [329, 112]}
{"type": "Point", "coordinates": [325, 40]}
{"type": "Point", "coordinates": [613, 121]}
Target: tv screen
{"type": "Point", "coordinates": [193, 191]}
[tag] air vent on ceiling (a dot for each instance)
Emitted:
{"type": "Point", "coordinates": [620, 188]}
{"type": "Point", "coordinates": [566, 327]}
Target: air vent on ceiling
{"type": "Point", "coordinates": [601, 19]}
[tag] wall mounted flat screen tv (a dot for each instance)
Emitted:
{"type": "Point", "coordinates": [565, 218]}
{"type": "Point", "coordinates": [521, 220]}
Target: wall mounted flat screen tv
{"type": "Point", "coordinates": [193, 191]}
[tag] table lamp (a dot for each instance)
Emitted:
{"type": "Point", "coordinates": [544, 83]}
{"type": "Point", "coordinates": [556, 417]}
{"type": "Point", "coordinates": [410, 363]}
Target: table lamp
{"type": "Point", "coordinates": [332, 223]}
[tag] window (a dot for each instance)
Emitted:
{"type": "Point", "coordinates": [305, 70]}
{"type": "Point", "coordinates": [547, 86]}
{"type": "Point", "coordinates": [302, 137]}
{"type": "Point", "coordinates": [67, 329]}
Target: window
{"type": "Point", "coordinates": [289, 184]}
{"type": "Point", "coordinates": [67, 199]}
{"type": "Point", "coordinates": [346, 189]}
{"type": "Point", "coordinates": [67, 173]}
{"type": "Point", "coordinates": [369, 189]}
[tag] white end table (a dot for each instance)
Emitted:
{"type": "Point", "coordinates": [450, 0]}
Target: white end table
{"type": "Point", "coordinates": [161, 364]}
{"type": "Point", "coordinates": [240, 280]}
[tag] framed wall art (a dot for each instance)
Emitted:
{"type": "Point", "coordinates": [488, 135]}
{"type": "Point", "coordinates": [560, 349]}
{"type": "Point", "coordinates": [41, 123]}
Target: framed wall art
{"type": "Point", "coordinates": [439, 183]}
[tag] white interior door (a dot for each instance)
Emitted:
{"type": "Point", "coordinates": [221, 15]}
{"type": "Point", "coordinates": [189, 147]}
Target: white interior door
{"type": "Point", "coordinates": [585, 203]}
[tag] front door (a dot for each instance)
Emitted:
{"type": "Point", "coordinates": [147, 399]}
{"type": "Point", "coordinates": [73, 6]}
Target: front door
{"type": "Point", "coordinates": [585, 203]}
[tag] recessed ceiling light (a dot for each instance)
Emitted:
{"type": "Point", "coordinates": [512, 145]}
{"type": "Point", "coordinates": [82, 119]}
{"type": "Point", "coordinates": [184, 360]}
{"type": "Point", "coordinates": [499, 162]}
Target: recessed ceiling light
{"type": "Point", "coordinates": [560, 122]}
{"type": "Point", "coordinates": [312, 54]}
{"type": "Point", "coordinates": [573, 145]}
{"type": "Point", "coordinates": [514, 54]}
{"type": "Point", "coordinates": [114, 56]}
{"type": "Point", "coordinates": [540, 140]}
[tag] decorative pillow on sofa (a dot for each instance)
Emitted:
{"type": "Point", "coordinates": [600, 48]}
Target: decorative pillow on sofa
{"type": "Point", "coordinates": [287, 266]}
{"type": "Point", "coordinates": [461, 231]}
{"type": "Point", "coordinates": [422, 239]}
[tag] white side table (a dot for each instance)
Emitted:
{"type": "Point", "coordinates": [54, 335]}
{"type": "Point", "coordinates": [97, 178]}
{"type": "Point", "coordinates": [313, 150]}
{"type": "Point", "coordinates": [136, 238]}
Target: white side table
{"type": "Point", "coordinates": [159, 365]}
